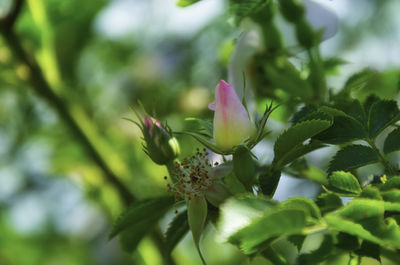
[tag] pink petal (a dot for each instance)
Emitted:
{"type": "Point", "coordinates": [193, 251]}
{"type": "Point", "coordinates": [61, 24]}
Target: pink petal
{"type": "Point", "coordinates": [148, 124]}
{"type": "Point", "coordinates": [212, 106]}
{"type": "Point", "coordinates": [231, 122]}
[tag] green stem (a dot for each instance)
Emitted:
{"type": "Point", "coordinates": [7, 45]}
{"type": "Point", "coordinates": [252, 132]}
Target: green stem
{"type": "Point", "coordinates": [200, 254]}
{"type": "Point", "coordinates": [171, 167]}
{"type": "Point", "coordinates": [383, 160]}
{"type": "Point", "coordinates": [315, 229]}
{"type": "Point", "coordinates": [317, 75]}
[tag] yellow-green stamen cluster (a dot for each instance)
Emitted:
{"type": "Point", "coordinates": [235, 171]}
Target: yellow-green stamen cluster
{"type": "Point", "coordinates": [192, 176]}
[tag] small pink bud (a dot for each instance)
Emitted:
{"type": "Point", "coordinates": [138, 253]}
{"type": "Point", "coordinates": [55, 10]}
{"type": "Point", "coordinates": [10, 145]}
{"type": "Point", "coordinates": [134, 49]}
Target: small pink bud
{"type": "Point", "coordinates": [161, 146]}
{"type": "Point", "coordinates": [149, 122]}
{"type": "Point", "coordinates": [231, 121]}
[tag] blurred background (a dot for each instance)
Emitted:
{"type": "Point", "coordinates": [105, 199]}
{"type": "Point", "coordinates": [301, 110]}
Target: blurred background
{"type": "Point", "coordinates": [58, 158]}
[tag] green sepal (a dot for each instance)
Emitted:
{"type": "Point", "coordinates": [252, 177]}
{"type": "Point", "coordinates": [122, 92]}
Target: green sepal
{"type": "Point", "coordinates": [197, 216]}
{"type": "Point", "coordinates": [204, 126]}
{"type": "Point", "coordinates": [206, 141]}
{"type": "Point", "coordinates": [244, 166]}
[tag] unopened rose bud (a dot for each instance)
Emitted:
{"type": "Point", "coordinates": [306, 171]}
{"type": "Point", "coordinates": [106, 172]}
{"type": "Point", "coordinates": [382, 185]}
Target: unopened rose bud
{"type": "Point", "coordinates": [231, 121]}
{"type": "Point", "coordinates": [161, 146]}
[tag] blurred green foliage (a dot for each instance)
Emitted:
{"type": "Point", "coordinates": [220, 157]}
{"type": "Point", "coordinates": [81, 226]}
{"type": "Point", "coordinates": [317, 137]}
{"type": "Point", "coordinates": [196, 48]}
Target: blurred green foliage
{"type": "Point", "coordinates": [57, 201]}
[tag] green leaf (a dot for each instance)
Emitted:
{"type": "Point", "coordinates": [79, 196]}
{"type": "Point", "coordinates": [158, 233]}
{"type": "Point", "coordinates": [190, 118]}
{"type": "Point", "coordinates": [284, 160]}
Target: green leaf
{"type": "Point", "coordinates": [361, 209]}
{"type": "Point", "coordinates": [141, 214]}
{"type": "Point", "coordinates": [391, 206]}
{"type": "Point", "coordinates": [303, 112]}
{"type": "Point", "coordinates": [341, 224]}
{"type": "Point", "coordinates": [203, 126]}
{"type": "Point", "coordinates": [233, 184]}
{"type": "Point", "coordinates": [347, 242]}
{"type": "Point", "coordinates": [330, 64]}
{"type": "Point", "coordinates": [197, 217]}
{"type": "Point", "coordinates": [392, 142]}
{"type": "Point", "coordinates": [345, 128]}
{"type": "Point", "coordinates": [383, 113]}
{"type": "Point", "coordinates": [371, 99]}
{"type": "Point", "coordinates": [294, 137]}
{"type": "Point", "coordinates": [369, 249]}
{"type": "Point", "coordinates": [279, 222]}
{"type": "Point", "coordinates": [371, 192]}
{"type": "Point", "coordinates": [353, 109]}
{"type": "Point", "coordinates": [392, 183]}
{"type": "Point", "coordinates": [287, 77]}
{"type": "Point", "coordinates": [184, 3]}
{"type": "Point", "coordinates": [318, 115]}
{"type": "Point", "coordinates": [359, 80]}
{"type": "Point", "coordinates": [130, 237]}
{"type": "Point", "coordinates": [391, 195]}
{"type": "Point", "coordinates": [243, 8]}
{"type": "Point", "coordinates": [239, 212]}
{"type": "Point", "coordinates": [299, 151]}
{"type": "Point", "coordinates": [297, 241]}
{"type": "Point", "coordinates": [344, 182]}
{"type": "Point", "coordinates": [244, 166]}
{"type": "Point", "coordinates": [274, 257]}
{"type": "Point", "coordinates": [269, 181]}
{"type": "Point", "coordinates": [352, 157]}
{"type": "Point", "coordinates": [364, 218]}
{"type": "Point", "coordinates": [305, 204]}
{"type": "Point", "coordinates": [206, 141]}
{"type": "Point", "coordinates": [319, 255]}
{"type": "Point", "coordinates": [300, 169]}
{"type": "Point", "coordinates": [177, 229]}
{"type": "Point", "coordinates": [328, 202]}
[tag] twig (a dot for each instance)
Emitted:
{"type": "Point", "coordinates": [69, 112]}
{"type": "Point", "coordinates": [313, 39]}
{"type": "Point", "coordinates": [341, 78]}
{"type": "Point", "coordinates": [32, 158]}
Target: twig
{"type": "Point", "coordinates": [41, 86]}
{"type": "Point", "coordinates": [8, 21]}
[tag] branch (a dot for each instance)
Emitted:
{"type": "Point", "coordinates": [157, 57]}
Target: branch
{"type": "Point", "coordinates": [8, 21]}
{"type": "Point", "coordinates": [41, 86]}
{"type": "Point", "coordinates": [43, 89]}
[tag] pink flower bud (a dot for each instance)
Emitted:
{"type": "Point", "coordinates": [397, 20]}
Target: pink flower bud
{"type": "Point", "coordinates": [148, 123]}
{"type": "Point", "coordinates": [231, 121]}
{"type": "Point", "coordinates": [160, 146]}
